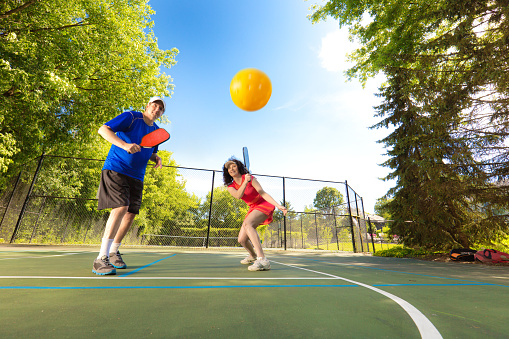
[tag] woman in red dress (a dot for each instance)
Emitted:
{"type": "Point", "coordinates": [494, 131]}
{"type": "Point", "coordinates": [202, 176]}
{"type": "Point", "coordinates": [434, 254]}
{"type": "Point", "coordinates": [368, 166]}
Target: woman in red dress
{"type": "Point", "coordinates": [243, 185]}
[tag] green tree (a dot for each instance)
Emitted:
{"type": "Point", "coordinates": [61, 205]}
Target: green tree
{"type": "Point", "coordinates": [279, 216]}
{"type": "Point", "coordinates": [227, 212]}
{"type": "Point", "coordinates": [72, 177]}
{"type": "Point", "coordinates": [327, 198]}
{"type": "Point", "coordinates": [429, 205]}
{"type": "Point", "coordinates": [329, 202]}
{"type": "Point", "coordinates": [381, 208]}
{"type": "Point", "coordinates": [167, 206]}
{"type": "Point", "coordinates": [66, 67]}
{"type": "Point", "coordinates": [446, 97]}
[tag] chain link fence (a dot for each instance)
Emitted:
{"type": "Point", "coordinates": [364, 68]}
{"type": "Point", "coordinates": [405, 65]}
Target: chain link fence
{"type": "Point", "coordinates": [378, 235]}
{"type": "Point", "coordinates": [53, 201]}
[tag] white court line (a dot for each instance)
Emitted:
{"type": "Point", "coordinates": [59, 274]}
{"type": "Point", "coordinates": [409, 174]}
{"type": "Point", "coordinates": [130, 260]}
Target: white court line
{"type": "Point", "coordinates": [40, 256]}
{"type": "Point", "coordinates": [424, 325]}
{"type": "Point", "coordinates": [117, 278]}
{"type": "Point", "coordinates": [426, 328]}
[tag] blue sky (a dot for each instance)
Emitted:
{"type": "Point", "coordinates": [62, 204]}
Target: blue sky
{"type": "Point", "coordinates": [316, 124]}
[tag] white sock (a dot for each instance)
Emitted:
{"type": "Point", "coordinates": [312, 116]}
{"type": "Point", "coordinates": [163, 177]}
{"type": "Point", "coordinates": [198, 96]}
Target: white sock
{"type": "Point", "coordinates": [114, 247]}
{"type": "Point", "coordinates": [105, 245]}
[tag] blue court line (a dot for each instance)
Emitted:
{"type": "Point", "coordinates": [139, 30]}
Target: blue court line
{"type": "Point", "coordinates": [402, 272]}
{"type": "Point", "coordinates": [154, 287]}
{"type": "Point", "coordinates": [218, 286]}
{"type": "Point", "coordinates": [139, 269]}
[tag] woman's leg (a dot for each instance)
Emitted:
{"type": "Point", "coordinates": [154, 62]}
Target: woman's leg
{"type": "Point", "coordinates": [252, 221]}
{"type": "Point", "coordinates": [244, 241]}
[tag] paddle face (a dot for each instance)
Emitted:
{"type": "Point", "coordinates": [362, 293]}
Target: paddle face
{"type": "Point", "coordinates": [154, 138]}
{"type": "Point", "coordinates": [246, 158]}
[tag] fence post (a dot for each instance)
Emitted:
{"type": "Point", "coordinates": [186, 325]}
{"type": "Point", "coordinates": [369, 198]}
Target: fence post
{"type": "Point", "coordinates": [284, 216]}
{"type": "Point", "coordinates": [210, 208]}
{"type": "Point", "coordinates": [10, 199]}
{"type": "Point", "coordinates": [364, 218]}
{"type": "Point", "coordinates": [371, 232]}
{"type": "Point", "coordinates": [290, 232]}
{"type": "Point", "coordinates": [301, 232]}
{"type": "Point", "coordinates": [335, 225]}
{"type": "Point", "coordinates": [359, 222]}
{"type": "Point", "coordinates": [22, 213]}
{"type": "Point", "coordinates": [279, 234]}
{"type": "Point", "coordinates": [316, 229]}
{"type": "Point", "coordinates": [350, 215]}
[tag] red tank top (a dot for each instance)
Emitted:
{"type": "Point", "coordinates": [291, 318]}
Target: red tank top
{"type": "Point", "coordinates": [254, 200]}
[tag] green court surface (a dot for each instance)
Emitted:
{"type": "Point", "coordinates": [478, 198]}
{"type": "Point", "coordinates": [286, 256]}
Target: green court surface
{"type": "Point", "coordinates": [51, 292]}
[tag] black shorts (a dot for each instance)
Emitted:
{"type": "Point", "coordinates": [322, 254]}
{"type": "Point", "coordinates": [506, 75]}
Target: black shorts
{"type": "Point", "coordinates": [118, 190]}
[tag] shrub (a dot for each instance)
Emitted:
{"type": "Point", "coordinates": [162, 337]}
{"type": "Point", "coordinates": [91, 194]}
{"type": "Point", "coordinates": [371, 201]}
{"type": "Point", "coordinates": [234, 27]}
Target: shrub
{"type": "Point", "coordinates": [403, 252]}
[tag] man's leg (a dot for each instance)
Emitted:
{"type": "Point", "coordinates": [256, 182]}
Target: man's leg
{"type": "Point", "coordinates": [125, 225]}
{"type": "Point", "coordinates": [114, 254]}
{"type": "Point", "coordinates": [112, 227]}
{"type": "Point", "coordinates": [102, 265]}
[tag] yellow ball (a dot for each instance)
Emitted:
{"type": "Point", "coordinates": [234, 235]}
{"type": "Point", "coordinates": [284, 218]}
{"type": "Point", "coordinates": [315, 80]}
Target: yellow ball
{"type": "Point", "coordinates": [250, 89]}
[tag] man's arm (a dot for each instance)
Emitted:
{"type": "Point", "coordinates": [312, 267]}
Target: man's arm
{"type": "Point", "coordinates": [157, 159]}
{"type": "Point", "coordinates": [107, 133]}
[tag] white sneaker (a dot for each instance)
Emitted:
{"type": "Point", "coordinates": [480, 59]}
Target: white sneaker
{"type": "Point", "coordinates": [260, 265]}
{"type": "Point", "coordinates": [247, 260]}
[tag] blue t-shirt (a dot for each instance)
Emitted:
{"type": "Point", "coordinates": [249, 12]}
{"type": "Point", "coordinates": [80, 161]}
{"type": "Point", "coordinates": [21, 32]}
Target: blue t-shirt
{"type": "Point", "coordinates": [130, 127]}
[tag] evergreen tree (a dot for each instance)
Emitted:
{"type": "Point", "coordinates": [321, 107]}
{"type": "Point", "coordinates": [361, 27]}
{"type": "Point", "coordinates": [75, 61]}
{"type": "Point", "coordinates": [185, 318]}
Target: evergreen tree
{"type": "Point", "coordinates": [446, 98]}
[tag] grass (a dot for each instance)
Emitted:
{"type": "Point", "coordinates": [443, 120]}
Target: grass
{"type": "Point", "coordinates": [399, 251]}
{"type": "Point", "coordinates": [382, 247]}
{"type": "Point", "coordinates": [348, 247]}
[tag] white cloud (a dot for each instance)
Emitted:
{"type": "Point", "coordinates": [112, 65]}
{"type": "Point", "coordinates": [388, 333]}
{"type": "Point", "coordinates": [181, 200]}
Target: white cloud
{"type": "Point", "coordinates": [335, 46]}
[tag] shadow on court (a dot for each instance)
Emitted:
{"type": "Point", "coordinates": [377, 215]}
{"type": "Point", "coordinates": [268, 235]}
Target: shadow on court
{"type": "Point", "coordinates": [51, 292]}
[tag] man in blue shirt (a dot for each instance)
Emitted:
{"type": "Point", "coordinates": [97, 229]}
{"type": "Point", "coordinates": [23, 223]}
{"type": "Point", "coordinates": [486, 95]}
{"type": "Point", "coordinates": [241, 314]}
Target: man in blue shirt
{"type": "Point", "coordinates": [122, 177]}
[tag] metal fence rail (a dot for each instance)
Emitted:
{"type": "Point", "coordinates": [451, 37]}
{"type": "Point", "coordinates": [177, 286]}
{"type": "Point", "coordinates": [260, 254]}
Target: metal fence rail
{"type": "Point", "coordinates": [52, 201]}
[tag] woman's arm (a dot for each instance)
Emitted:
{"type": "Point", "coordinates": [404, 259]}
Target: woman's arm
{"type": "Point", "coordinates": [237, 194]}
{"type": "Point", "coordinates": [267, 197]}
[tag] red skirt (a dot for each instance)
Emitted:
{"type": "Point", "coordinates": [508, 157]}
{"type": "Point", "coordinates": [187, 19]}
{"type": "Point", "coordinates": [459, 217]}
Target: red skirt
{"type": "Point", "coordinates": [264, 207]}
